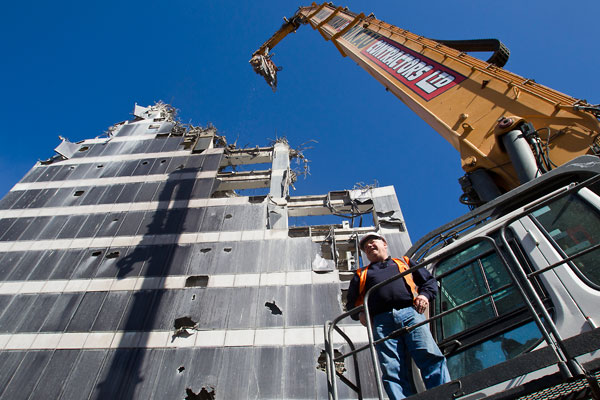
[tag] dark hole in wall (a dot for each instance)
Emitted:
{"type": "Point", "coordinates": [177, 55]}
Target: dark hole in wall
{"type": "Point", "coordinates": [96, 253]}
{"type": "Point", "coordinates": [203, 394]}
{"type": "Point", "coordinates": [181, 369]}
{"type": "Point", "coordinates": [113, 254]}
{"type": "Point", "coordinates": [78, 193]}
{"type": "Point", "coordinates": [99, 166]}
{"type": "Point", "coordinates": [322, 362]}
{"type": "Point", "coordinates": [84, 148]}
{"type": "Point", "coordinates": [205, 250]}
{"type": "Point", "coordinates": [227, 249]}
{"type": "Point", "coordinates": [256, 199]}
{"type": "Point", "coordinates": [196, 281]}
{"type": "Point", "coordinates": [274, 308]}
{"type": "Point", "coordinates": [184, 322]}
{"type": "Point", "coordinates": [227, 216]}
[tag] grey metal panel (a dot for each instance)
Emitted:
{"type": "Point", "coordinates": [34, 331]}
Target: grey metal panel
{"type": "Point", "coordinates": [34, 229]}
{"type": "Point", "coordinates": [26, 199]}
{"type": "Point", "coordinates": [16, 229]}
{"type": "Point", "coordinates": [69, 261]}
{"type": "Point", "coordinates": [50, 384]}
{"type": "Point", "coordinates": [15, 312]}
{"type": "Point", "coordinates": [5, 224]}
{"type": "Point", "coordinates": [96, 149]}
{"type": "Point", "coordinates": [86, 265]}
{"type": "Point", "coordinates": [9, 261]}
{"type": "Point", "coordinates": [203, 370]}
{"type": "Point", "coordinates": [37, 313]}
{"type": "Point", "coordinates": [172, 143]}
{"type": "Point", "coordinates": [53, 227]}
{"type": "Point", "coordinates": [176, 164]}
{"type": "Point", "coordinates": [300, 361]}
{"type": "Point", "coordinates": [126, 130]}
{"type": "Point", "coordinates": [269, 382]}
{"type": "Point", "coordinates": [61, 312]}
{"type": "Point", "coordinates": [131, 223]}
{"type": "Point", "coordinates": [79, 172]}
{"type": "Point", "coordinates": [183, 189]}
{"type": "Point", "coordinates": [300, 307]}
{"type": "Point", "coordinates": [63, 172]}
{"type": "Point", "coordinates": [5, 300]}
{"type": "Point", "coordinates": [165, 127]}
{"type": "Point", "coordinates": [274, 256]}
{"type": "Point", "coordinates": [163, 221]}
{"type": "Point", "coordinates": [33, 174]}
{"type": "Point", "coordinates": [233, 218]}
{"type": "Point", "coordinates": [162, 314]}
{"type": "Point", "coordinates": [32, 366]}
{"type": "Point", "coordinates": [42, 198]}
{"type": "Point", "coordinates": [143, 167]}
{"type": "Point", "coordinates": [48, 173]}
{"type": "Point", "coordinates": [326, 302]}
{"type": "Point", "coordinates": [140, 147]}
{"type": "Point", "coordinates": [86, 312]}
{"type": "Point", "coordinates": [170, 383]}
{"type": "Point", "coordinates": [179, 260]}
{"type": "Point", "coordinates": [215, 308]}
{"type": "Point", "coordinates": [109, 169]}
{"type": "Point", "coordinates": [160, 166]}
{"type": "Point", "coordinates": [398, 243]}
{"type": "Point", "coordinates": [274, 314]}
{"type": "Point", "coordinates": [189, 303]}
{"type": "Point", "coordinates": [95, 171]}
{"type": "Point", "coordinates": [10, 361]}
{"type": "Point", "coordinates": [72, 226]}
{"type": "Point", "coordinates": [237, 366]}
{"type": "Point", "coordinates": [255, 217]}
{"type": "Point", "coordinates": [131, 264]}
{"type": "Point", "coordinates": [224, 258]}
{"type": "Point", "coordinates": [242, 313]}
{"type": "Point", "coordinates": [159, 191]}
{"type": "Point", "coordinates": [9, 199]}
{"type": "Point", "coordinates": [193, 219]}
{"type": "Point", "coordinates": [137, 310]}
{"type": "Point", "coordinates": [128, 193]}
{"type": "Point", "coordinates": [109, 267]}
{"type": "Point", "coordinates": [48, 261]}
{"type": "Point", "coordinates": [111, 194]}
{"type": "Point", "coordinates": [83, 375]}
{"type": "Point", "coordinates": [195, 162]}
{"type": "Point", "coordinates": [213, 219]}
{"type": "Point", "coordinates": [146, 192]}
{"type": "Point", "coordinates": [203, 188]}
{"type": "Point", "coordinates": [127, 168]}
{"type": "Point", "coordinates": [111, 224]}
{"type": "Point", "coordinates": [111, 311]}
{"type": "Point", "coordinates": [211, 162]}
{"type": "Point", "coordinates": [201, 262]}
{"type": "Point", "coordinates": [141, 379]}
{"type": "Point", "coordinates": [112, 148]}
{"type": "Point", "coordinates": [159, 257]}
{"type": "Point", "coordinates": [156, 145]}
{"type": "Point", "coordinates": [299, 254]}
{"type": "Point", "coordinates": [91, 226]}
{"type": "Point", "coordinates": [25, 266]}
{"type": "Point", "coordinates": [59, 197]}
{"type": "Point", "coordinates": [247, 256]}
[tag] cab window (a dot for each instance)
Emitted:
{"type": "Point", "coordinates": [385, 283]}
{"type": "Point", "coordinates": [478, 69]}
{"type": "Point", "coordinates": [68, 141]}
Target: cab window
{"type": "Point", "coordinates": [574, 226]}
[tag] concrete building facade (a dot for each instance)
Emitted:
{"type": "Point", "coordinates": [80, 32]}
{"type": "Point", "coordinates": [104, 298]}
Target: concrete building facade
{"type": "Point", "coordinates": [134, 266]}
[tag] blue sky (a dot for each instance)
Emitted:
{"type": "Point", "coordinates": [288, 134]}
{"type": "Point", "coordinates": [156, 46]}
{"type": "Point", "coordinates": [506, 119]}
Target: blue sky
{"type": "Point", "coordinates": [74, 68]}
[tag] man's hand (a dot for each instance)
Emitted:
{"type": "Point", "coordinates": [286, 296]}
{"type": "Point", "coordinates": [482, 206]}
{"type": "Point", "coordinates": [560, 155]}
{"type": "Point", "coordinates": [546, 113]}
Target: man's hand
{"type": "Point", "coordinates": [362, 318]}
{"type": "Point", "coordinates": [421, 303]}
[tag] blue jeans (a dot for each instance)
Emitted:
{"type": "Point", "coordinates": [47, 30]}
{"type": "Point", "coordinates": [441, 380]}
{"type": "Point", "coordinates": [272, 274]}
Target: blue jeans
{"type": "Point", "coordinates": [394, 354]}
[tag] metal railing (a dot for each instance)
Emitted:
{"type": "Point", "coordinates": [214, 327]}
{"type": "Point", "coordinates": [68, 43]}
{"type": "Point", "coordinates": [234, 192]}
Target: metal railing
{"type": "Point", "coordinates": [521, 281]}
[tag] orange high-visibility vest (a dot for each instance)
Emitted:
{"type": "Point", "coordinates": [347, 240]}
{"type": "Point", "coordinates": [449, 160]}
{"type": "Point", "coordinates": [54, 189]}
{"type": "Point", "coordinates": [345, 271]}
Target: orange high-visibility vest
{"type": "Point", "coordinates": [402, 266]}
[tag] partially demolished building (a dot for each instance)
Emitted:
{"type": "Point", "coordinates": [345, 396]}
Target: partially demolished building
{"type": "Point", "coordinates": [133, 266]}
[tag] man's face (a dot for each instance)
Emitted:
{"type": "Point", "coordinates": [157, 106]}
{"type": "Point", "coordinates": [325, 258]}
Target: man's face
{"type": "Point", "coordinates": [376, 249]}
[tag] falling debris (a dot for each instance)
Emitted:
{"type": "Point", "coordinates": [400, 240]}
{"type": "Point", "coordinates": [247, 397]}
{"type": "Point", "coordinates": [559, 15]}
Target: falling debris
{"type": "Point", "coordinates": [181, 328]}
{"type": "Point", "coordinates": [275, 310]}
{"type": "Point", "coordinates": [202, 395]}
